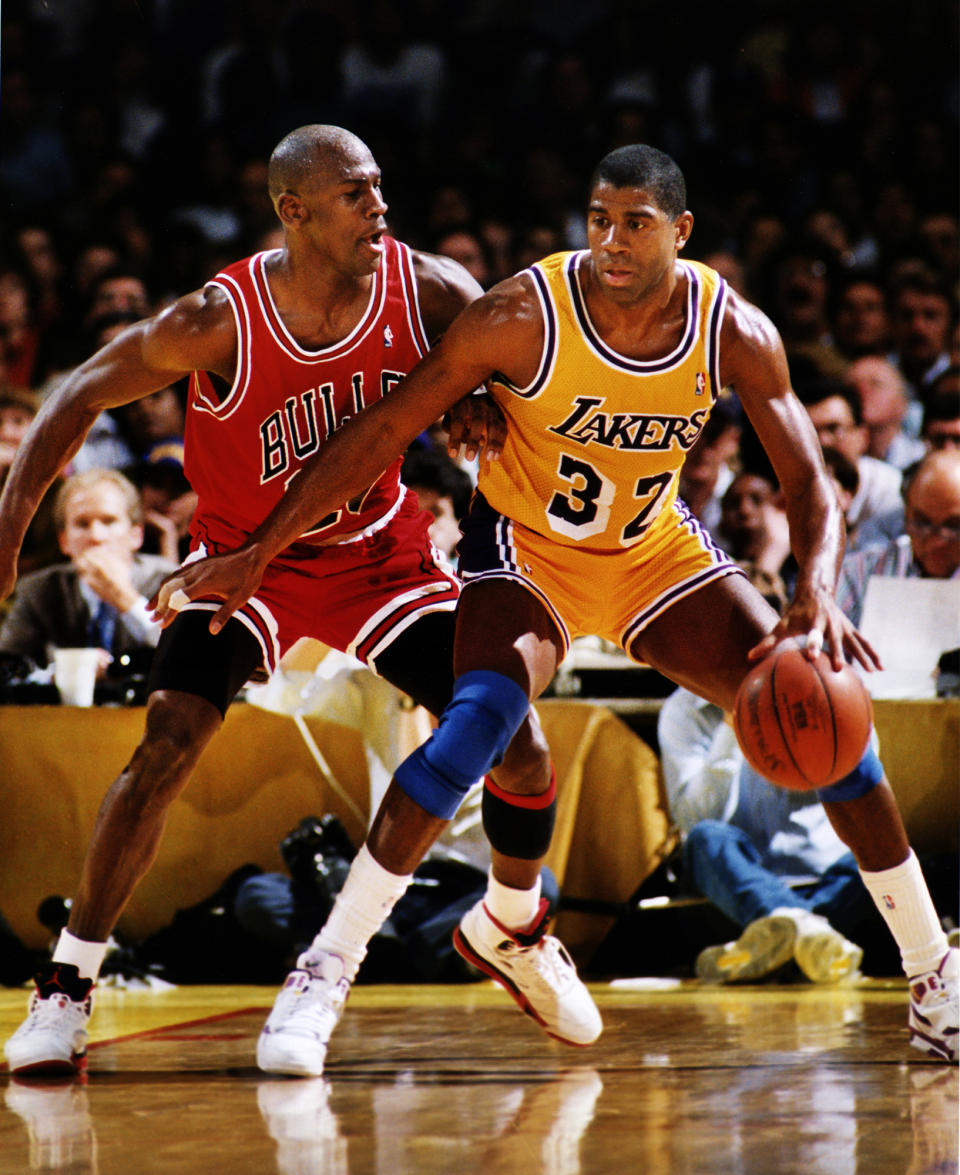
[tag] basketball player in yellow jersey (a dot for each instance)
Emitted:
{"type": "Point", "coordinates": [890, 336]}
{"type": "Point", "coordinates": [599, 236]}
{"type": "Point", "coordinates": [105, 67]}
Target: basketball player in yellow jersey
{"type": "Point", "coordinates": [605, 364]}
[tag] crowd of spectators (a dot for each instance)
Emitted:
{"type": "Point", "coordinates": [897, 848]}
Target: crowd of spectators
{"type": "Point", "coordinates": [819, 144]}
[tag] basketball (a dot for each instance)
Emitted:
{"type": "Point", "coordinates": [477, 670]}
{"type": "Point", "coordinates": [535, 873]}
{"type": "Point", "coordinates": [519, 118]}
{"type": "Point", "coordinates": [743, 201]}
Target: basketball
{"type": "Point", "coordinates": [800, 723]}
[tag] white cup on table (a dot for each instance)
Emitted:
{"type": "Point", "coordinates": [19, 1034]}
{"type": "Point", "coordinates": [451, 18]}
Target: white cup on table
{"type": "Point", "coordinates": [75, 674]}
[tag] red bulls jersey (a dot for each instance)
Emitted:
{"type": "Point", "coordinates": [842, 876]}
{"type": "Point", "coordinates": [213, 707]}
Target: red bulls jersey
{"type": "Point", "coordinates": [243, 447]}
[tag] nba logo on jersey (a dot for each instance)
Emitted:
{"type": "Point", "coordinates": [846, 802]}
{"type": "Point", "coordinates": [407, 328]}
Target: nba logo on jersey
{"type": "Point", "coordinates": [387, 336]}
{"type": "Point", "coordinates": [889, 902]}
{"type": "Point", "coordinates": [701, 383]}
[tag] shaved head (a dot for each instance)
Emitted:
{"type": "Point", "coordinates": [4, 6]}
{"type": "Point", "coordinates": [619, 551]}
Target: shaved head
{"type": "Point", "coordinates": [311, 152]}
{"type": "Point", "coordinates": [937, 476]}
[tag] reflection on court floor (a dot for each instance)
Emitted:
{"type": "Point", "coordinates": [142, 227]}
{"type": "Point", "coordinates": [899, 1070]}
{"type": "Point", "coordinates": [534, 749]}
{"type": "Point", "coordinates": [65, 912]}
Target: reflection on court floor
{"type": "Point", "coordinates": [453, 1081]}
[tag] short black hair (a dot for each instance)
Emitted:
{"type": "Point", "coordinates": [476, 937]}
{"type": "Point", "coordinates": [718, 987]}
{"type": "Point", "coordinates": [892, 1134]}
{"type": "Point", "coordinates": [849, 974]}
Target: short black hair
{"type": "Point", "coordinates": [641, 166]}
{"type": "Point", "coordinates": [431, 469]}
{"type": "Point", "coordinates": [815, 391]}
{"type": "Point", "coordinates": [842, 468]}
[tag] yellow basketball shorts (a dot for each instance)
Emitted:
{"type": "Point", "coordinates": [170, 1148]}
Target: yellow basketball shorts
{"type": "Point", "coordinates": [612, 594]}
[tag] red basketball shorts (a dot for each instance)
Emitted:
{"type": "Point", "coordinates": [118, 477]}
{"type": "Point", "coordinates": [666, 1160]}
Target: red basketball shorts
{"type": "Point", "coordinates": [355, 596]}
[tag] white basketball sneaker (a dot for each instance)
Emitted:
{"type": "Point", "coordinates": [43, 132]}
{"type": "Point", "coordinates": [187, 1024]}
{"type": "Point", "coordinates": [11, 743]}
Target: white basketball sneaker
{"type": "Point", "coordinates": [295, 1037]}
{"type": "Point", "coordinates": [535, 969]}
{"type": "Point", "coordinates": [53, 1038]}
{"type": "Point", "coordinates": [934, 1017]}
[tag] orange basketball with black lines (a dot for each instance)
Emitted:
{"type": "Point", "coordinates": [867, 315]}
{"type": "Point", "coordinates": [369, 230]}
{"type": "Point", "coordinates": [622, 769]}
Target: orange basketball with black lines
{"type": "Point", "coordinates": [801, 723]}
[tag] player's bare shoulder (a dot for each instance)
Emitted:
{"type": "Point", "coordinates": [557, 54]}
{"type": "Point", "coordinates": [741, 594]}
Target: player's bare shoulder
{"type": "Point", "coordinates": [197, 332]}
{"type": "Point", "coordinates": [444, 288]}
{"type": "Point", "coordinates": [750, 344]}
{"type": "Point", "coordinates": [510, 309]}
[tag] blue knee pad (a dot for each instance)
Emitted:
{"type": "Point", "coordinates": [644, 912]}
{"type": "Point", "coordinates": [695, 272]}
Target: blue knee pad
{"type": "Point", "coordinates": [863, 778]}
{"type": "Point", "coordinates": [475, 730]}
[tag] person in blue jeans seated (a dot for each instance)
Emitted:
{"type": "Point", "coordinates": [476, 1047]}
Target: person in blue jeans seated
{"type": "Point", "coordinates": [767, 857]}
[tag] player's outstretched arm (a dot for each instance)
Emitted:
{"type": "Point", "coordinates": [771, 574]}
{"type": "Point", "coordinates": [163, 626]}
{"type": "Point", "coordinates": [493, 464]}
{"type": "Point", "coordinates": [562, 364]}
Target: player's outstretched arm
{"type": "Point", "coordinates": [754, 362]}
{"type": "Point", "coordinates": [193, 333]}
{"type": "Point", "coordinates": [475, 424]}
{"type": "Point", "coordinates": [495, 333]}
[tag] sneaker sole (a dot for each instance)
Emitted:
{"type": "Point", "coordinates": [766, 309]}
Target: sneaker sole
{"type": "Point", "coordinates": [51, 1068]}
{"type": "Point", "coordinates": [466, 951]}
{"type": "Point", "coordinates": [931, 1046]}
{"type": "Point", "coordinates": [288, 1067]}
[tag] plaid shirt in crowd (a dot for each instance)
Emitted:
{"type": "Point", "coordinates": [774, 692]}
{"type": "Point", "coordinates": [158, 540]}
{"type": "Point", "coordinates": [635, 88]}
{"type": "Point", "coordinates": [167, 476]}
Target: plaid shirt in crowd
{"type": "Point", "coordinates": [895, 559]}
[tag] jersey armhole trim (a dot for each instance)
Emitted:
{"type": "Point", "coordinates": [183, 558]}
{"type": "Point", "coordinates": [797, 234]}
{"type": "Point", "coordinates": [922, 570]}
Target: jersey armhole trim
{"type": "Point", "coordinates": [222, 409]}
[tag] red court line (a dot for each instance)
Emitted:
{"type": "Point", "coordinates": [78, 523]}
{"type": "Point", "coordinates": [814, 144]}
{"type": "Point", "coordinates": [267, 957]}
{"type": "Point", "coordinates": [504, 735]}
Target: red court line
{"type": "Point", "coordinates": [179, 1026]}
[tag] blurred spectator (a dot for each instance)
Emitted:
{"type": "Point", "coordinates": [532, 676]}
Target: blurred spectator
{"type": "Point", "coordinates": [753, 525]}
{"type": "Point", "coordinates": [152, 419]}
{"type": "Point", "coordinates": [730, 267]}
{"type": "Point", "coordinates": [117, 290]}
{"type": "Point", "coordinates": [940, 237]}
{"type": "Point", "coordinates": [858, 318]}
{"type": "Point", "coordinates": [42, 262]}
{"type": "Point", "coordinates": [708, 469]}
{"type": "Point", "coordinates": [390, 74]}
{"type": "Point", "coordinates": [941, 413]}
{"type": "Point", "coordinates": [18, 406]}
{"type": "Point", "coordinates": [799, 292]}
{"type": "Point", "coordinates": [99, 598]}
{"type": "Point", "coordinates": [883, 406]}
{"type": "Point", "coordinates": [536, 241]}
{"type": "Point", "coordinates": [846, 481]}
{"type": "Point", "coordinates": [468, 247]}
{"type": "Point", "coordinates": [834, 409]}
{"type": "Point", "coordinates": [443, 490]}
{"type": "Point", "coordinates": [19, 332]}
{"type": "Point", "coordinates": [930, 545]}
{"type": "Point", "coordinates": [922, 316]}
{"type": "Point", "coordinates": [168, 501]}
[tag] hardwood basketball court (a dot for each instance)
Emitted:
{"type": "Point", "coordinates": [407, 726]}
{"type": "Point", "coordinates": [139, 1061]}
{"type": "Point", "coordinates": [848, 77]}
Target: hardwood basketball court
{"type": "Point", "coordinates": [686, 1080]}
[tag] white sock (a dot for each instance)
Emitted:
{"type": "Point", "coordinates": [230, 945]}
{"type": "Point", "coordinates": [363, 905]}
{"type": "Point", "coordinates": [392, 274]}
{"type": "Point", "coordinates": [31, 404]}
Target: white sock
{"type": "Point", "coordinates": [87, 957]}
{"type": "Point", "coordinates": [513, 908]}
{"type": "Point", "coordinates": [902, 897]}
{"type": "Point", "coordinates": [362, 906]}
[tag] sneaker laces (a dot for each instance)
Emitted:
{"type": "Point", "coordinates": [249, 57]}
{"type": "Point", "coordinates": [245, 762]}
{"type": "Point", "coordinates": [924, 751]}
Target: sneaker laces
{"type": "Point", "coordinates": [312, 1004]}
{"type": "Point", "coordinates": [548, 961]}
{"type": "Point", "coordinates": [44, 1011]}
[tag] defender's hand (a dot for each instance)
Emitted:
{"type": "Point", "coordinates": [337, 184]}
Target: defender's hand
{"type": "Point", "coordinates": [232, 577]}
{"type": "Point", "coordinates": [476, 425]}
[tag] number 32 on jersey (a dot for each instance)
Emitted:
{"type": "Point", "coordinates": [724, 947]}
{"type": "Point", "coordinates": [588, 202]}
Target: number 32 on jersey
{"type": "Point", "coordinates": [583, 510]}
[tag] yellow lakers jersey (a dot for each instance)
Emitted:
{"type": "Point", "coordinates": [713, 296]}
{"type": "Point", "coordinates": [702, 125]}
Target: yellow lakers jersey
{"type": "Point", "coordinates": [596, 441]}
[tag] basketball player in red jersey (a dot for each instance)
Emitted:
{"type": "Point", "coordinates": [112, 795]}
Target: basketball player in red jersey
{"type": "Point", "coordinates": [605, 363]}
{"type": "Point", "coordinates": [280, 348]}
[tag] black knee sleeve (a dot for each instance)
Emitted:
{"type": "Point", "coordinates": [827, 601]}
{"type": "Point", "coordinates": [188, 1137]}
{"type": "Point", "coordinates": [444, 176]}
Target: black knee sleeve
{"type": "Point", "coordinates": [190, 659]}
{"type": "Point", "coordinates": [519, 826]}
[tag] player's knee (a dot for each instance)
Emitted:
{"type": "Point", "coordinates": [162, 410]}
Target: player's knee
{"type": "Point", "coordinates": [474, 732]}
{"type": "Point", "coordinates": [861, 780]}
{"type": "Point", "coordinates": [526, 768]}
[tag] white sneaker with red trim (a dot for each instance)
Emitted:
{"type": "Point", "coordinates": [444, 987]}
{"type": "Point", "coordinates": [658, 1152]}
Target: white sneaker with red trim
{"type": "Point", "coordinates": [934, 1017]}
{"type": "Point", "coordinates": [535, 969]}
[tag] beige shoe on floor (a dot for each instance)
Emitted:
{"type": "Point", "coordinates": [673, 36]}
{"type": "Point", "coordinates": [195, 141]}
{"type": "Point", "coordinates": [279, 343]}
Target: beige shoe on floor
{"type": "Point", "coordinates": [765, 946]}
